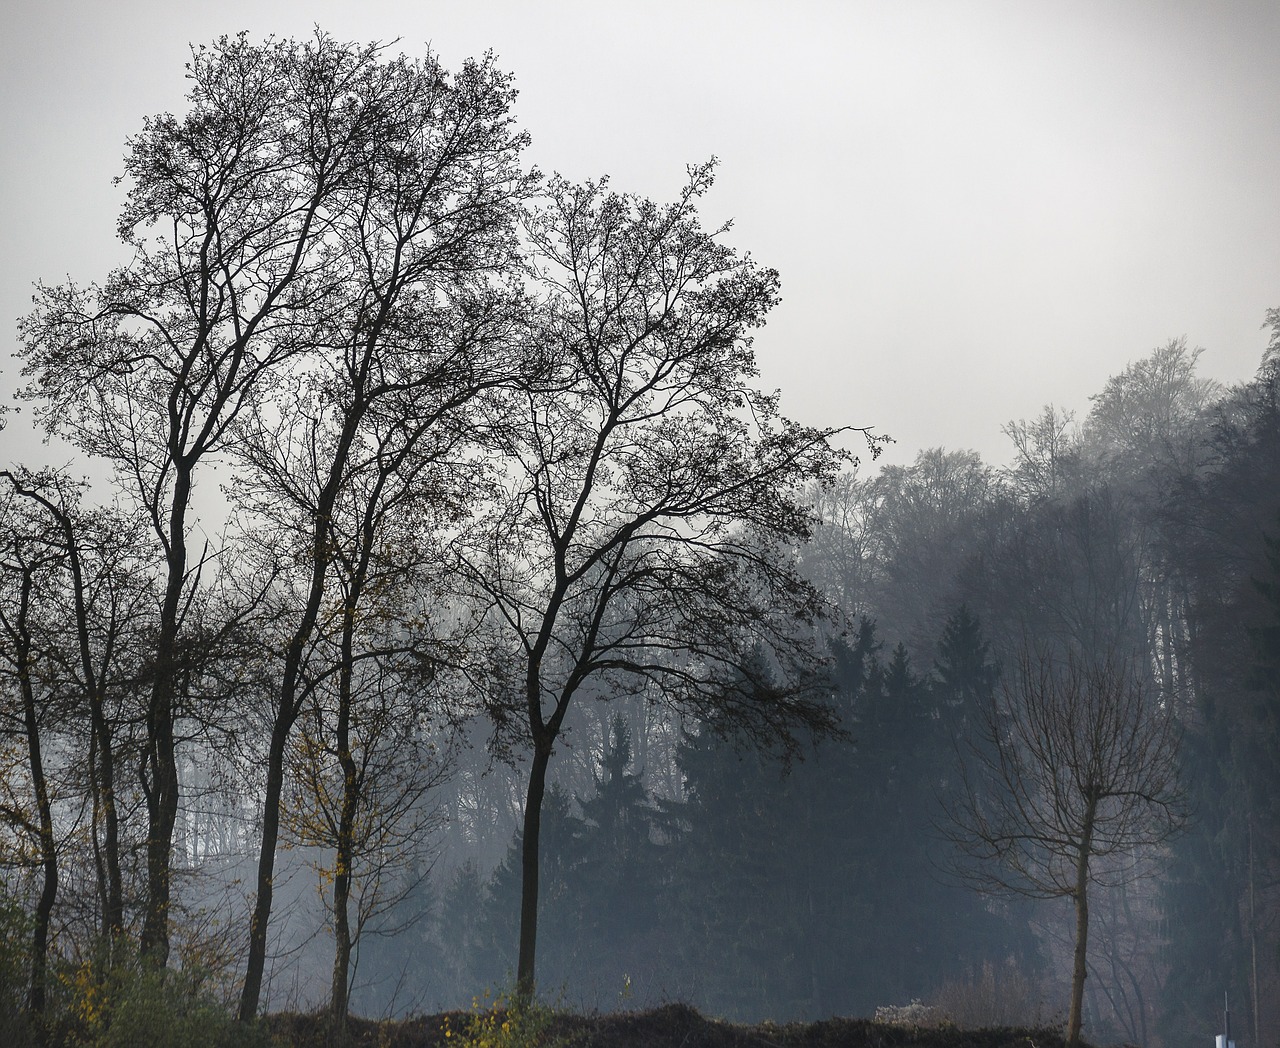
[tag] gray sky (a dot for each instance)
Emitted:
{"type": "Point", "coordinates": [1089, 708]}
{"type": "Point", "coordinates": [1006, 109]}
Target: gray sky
{"type": "Point", "coordinates": [976, 207]}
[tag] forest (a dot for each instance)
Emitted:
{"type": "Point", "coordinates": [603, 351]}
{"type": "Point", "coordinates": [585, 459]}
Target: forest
{"type": "Point", "coordinates": [434, 604]}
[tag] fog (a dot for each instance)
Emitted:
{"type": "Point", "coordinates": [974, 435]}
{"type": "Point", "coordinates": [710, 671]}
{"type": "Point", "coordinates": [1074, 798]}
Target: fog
{"type": "Point", "coordinates": [453, 607]}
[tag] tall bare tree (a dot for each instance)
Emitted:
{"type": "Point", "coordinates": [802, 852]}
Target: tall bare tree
{"type": "Point", "coordinates": [230, 217]}
{"type": "Point", "coordinates": [650, 498]}
{"type": "Point", "coordinates": [372, 430]}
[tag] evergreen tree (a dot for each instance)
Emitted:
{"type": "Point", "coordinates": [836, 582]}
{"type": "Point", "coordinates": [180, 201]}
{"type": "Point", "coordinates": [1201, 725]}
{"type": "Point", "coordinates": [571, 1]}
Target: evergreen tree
{"type": "Point", "coordinates": [469, 968]}
{"type": "Point", "coordinates": [731, 897]}
{"type": "Point", "coordinates": [966, 674]}
{"type": "Point", "coordinates": [832, 863]}
{"type": "Point", "coordinates": [616, 883]}
{"type": "Point", "coordinates": [973, 930]}
{"type": "Point", "coordinates": [1206, 879]}
{"type": "Point", "coordinates": [1221, 901]}
{"type": "Point", "coordinates": [560, 934]}
{"type": "Point", "coordinates": [1263, 677]}
{"type": "Point", "coordinates": [895, 763]}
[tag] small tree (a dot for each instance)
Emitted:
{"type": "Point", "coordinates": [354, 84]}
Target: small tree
{"type": "Point", "coordinates": [362, 766]}
{"type": "Point", "coordinates": [93, 619]}
{"type": "Point", "coordinates": [1073, 774]}
{"type": "Point", "coordinates": [29, 559]}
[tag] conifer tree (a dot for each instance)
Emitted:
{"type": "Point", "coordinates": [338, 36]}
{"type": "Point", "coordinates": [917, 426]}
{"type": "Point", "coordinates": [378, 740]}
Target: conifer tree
{"type": "Point", "coordinates": [617, 881]}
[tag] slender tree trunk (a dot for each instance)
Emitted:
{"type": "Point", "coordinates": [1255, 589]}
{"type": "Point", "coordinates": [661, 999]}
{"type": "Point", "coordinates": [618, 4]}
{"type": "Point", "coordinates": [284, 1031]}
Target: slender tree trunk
{"type": "Point", "coordinates": [256, 961]}
{"type": "Point", "coordinates": [113, 914]}
{"type": "Point", "coordinates": [101, 750]}
{"type": "Point", "coordinates": [529, 867]}
{"type": "Point", "coordinates": [162, 788]}
{"type": "Point", "coordinates": [345, 851]}
{"type": "Point", "coordinates": [162, 815]}
{"type": "Point", "coordinates": [95, 840]}
{"type": "Point", "coordinates": [48, 853]}
{"type": "Point", "coordinates": [48, 895]}
{"type": "Point", "coordinates": [102, 764]}
{"type": "Point", "coordinates": [285, 718]}
{"type": "Point", "coordinates": [1253, 939]}
{"type": "Point", "coordinates": [287, 712]}
{"type": "Point", "coordinates": [102, 778]}
{"type": "Point", "coordinates": [338, 996]}
{"type": "Point", "coordinates": [1079, 970]}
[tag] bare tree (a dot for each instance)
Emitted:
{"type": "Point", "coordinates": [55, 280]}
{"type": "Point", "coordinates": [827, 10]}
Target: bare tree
{"type": "Point", "coordinates": [231, 220]}
{"type": "Point", "coordinates": [650, 498]}
{"type": "Point", "coordinates": [362, 766]}
{"type": "Point", "coordinates": [1046, 454]}
{"type": "Point", "coordinates": [96, 617]}
{"type": "Point", "coordinates": [1073, 780]}
{"type": "Point", "coordinates": [29, 560]}
{"type": "Point", "coordinates": [374, 429]}
{"type": "Point", "coordinates": [318, 223]}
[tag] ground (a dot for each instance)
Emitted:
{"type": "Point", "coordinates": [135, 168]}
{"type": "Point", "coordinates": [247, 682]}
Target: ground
{"type": "Point", "coordinates": [672, 1026]}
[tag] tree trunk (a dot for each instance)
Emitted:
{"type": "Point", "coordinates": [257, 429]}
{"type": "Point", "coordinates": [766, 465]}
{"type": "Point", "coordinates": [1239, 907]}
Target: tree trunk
{"type": "Point", "coordinates": [48, 854]}
{"type": "Point", "coordinates": [529, 867]}
{"type": "Point", "coordinates": [162, 815]}
{"type": "Point", "coordinates": [257, 959]}
{"type": "Point", "coordinates": [102, 774]}
{"type": "Point", "coordinates": [338, 995]}
{"type": "Point", "coordinates": [1079, 970]}
{"type": "Point", "coordinates": [287, 713]}
{"type": "Point", "coordinates": [345, 851]}
{"type": "Point", "coordinates": [113, 913]}
{"type": "Point", "coordinates": [102, 765]}
{"type": "Point", "coordinates": [1253, 940]}
{"type": "Point", "coordinates": [161, 761]}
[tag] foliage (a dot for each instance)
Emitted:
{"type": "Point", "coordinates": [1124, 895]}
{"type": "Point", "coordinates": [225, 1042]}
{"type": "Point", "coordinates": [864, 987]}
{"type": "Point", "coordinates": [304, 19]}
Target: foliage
{"type": "Point", "coordinates": [504, 1020]}
{"type": "Point", "coordinates": [1220, 898]}
{"type": "Point", "coordinates": [15, 967]}
{"type": "Point", "coordinates": [130, 1003]}
{"type": "Point", "coordinates": [914, 1014]}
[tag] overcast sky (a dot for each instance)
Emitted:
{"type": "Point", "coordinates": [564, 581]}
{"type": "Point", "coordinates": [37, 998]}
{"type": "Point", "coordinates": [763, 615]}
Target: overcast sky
{"type": "Point", "coordinates": [976, 207]}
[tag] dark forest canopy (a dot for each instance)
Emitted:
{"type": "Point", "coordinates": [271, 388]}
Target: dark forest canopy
{"type": "Point", "coordinates": [536, 630]}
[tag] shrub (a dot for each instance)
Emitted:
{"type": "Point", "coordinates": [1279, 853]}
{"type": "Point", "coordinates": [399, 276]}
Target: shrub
{"type": "Point", "coordinates": [913, 1014]}
{"type": "Point", "coordinates": [131, 1004]}
{"type": "Point", "coordinates": [15, 970]}
{"type": "Point", "coordinates": [504, 1021]}
{"type": "Point", "coordinates": [993, 998]}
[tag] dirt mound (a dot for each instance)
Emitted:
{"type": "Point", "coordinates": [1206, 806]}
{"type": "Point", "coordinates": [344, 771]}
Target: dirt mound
{"type": "Point", "coordinates": [672, 1026]}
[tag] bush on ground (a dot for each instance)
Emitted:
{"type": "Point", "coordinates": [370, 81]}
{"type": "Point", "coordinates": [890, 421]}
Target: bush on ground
{"type": "Point", "coordinates": [991, 999]}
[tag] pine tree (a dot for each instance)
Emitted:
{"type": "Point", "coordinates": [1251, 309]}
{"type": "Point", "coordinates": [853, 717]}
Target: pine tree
{"type": "Point", "coordinates": [973, 930]}
{"type": "Point", "coordinates": [616, 884]}
{"type": "Point", "coordinates": [469, 968]}
{"type": "Point", "coordinates": [1221, 904]}
{"type": "Point", "coordinates": [560, 934]}
{"type": "Point", "coordinates": [731, 897]}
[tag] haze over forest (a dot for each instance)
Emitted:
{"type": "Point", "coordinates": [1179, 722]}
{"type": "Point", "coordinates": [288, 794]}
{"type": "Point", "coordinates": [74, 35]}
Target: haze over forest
{"type": "Point", "coordinates": [526, 641]}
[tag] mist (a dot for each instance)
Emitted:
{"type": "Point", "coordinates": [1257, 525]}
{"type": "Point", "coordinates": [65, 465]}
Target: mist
{"type": "Point", "coordinates": [454, 612]}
